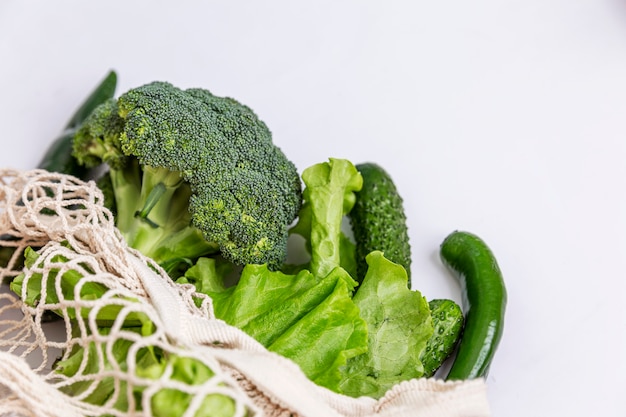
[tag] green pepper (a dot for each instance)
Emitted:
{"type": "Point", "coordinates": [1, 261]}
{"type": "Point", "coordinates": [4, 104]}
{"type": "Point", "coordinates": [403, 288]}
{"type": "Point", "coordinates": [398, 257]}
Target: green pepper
{"type": "Point", "coordinates": [58, 156]}
{"type": "Point", "coordinates": [484, 303]}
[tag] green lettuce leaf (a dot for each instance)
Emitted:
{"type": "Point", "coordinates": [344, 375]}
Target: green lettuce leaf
{"type": "Point", "coordinates": [99, 387]}
{"type": "Point", "coordinates": [329, 195]}
{"type": "Point", "coordinates": [171, 402]}
{"type": "Point", "coordinates": [95, 365]}
{"type": "Point", "coordinates": [399, 326]}
{"type": "Point", "coordinates": [311, 321]}
{"type": "Point", "coordinates": [61, 284]}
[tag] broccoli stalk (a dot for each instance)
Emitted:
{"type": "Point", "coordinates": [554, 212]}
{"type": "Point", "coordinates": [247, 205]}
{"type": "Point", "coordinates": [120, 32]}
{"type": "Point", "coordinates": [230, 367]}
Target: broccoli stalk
{"type": "Point", "coordinates": [158, 224]}
{"type": "Point", "coordinates": [192, 174]}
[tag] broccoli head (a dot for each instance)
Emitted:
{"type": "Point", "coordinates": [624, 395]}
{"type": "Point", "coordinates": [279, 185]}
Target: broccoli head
{"type": "Point", "coordinates": [193, 174]}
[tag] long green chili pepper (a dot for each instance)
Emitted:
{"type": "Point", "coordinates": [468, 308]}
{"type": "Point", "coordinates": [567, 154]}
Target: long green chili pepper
{"type": "Point", "coordinates": [484, 303]}
{"type": "Point", "coordinates": [58, 156]}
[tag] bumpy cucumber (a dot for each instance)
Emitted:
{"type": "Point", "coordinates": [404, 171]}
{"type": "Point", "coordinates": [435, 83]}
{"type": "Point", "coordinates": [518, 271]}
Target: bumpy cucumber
{"type": "Point", "coordinates": [448, 325]}
{"type": "Point", "coordinates": [378, 220]}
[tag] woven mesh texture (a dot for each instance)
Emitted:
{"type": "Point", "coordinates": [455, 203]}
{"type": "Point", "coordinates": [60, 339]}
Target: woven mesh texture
{"type": "Point", "coordinates": [92, 327]}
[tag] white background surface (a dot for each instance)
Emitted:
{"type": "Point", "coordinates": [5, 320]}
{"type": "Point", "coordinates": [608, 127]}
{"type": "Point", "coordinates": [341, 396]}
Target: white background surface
{"type": "Point", "coordinates": [503, 118]}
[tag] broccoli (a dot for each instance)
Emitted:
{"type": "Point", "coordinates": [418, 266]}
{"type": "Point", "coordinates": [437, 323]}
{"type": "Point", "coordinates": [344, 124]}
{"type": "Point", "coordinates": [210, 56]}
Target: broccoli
{"type": "Point", "coordinates": [192, 174]}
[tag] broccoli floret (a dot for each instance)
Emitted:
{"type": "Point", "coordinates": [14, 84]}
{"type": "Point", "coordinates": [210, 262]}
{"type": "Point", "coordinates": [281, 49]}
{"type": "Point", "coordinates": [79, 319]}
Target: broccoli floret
{"type": "Point", "coordinates": [97, 140]}
{"type": "Point", "coordinates": [193, 174]}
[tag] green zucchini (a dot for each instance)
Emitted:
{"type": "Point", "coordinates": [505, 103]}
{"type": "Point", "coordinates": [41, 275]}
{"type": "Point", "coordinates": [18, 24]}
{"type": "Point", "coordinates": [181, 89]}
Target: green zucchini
{"type": "Point", "coordinates": [448, 320]}
{"type": "Point", "coordinates": [378, 220]}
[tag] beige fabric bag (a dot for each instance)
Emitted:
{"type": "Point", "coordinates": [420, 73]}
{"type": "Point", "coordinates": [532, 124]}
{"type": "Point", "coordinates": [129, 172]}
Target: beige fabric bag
{"type": "Point", "coordinates": [81, 239]}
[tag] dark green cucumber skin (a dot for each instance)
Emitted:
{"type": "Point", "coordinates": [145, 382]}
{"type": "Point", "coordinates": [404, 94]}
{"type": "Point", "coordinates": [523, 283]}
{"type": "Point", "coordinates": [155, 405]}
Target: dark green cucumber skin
{"type": "Point", "coordinates": [58, 157]}
{"type": "Point", "coordinates": [378, 220]}
{"type": "Point", "coordinates": [448, 321]}
{"type": "Point", "coordinates": [484, 303]}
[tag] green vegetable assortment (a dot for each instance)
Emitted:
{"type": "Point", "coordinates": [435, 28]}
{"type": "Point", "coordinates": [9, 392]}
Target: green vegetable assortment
{"type": "Point", "coordinates": [195, 182]}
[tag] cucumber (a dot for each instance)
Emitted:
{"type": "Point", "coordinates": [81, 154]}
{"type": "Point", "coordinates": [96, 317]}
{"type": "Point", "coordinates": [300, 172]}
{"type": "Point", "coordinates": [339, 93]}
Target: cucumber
{"type": "Point", "coordinates": [448, 321]}
{"type": "Point", "coordinates": [378, 220]}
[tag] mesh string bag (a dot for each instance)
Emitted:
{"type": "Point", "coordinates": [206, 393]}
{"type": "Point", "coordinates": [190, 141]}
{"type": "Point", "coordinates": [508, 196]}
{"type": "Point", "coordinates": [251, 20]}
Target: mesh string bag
{"type": "Point", "coordinates": [128, 341]}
